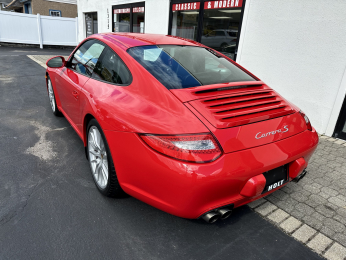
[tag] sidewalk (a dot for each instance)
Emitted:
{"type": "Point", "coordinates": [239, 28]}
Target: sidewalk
{"type": "Point", "coordinates": [314, 210]}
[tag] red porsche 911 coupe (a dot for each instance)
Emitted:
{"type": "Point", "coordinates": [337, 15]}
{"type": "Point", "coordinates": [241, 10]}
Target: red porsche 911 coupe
{"type": "Point", "coordinates": [178, 125]}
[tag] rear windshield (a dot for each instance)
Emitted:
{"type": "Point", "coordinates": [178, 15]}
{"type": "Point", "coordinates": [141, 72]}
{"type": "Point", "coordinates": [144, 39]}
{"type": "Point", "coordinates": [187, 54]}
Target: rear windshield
{"type": "Point", "coordinates": [179, 67]}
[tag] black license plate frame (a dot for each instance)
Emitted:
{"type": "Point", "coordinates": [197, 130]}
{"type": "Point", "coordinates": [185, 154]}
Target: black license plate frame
{"type": "Point", "coordinates": [275, 178]}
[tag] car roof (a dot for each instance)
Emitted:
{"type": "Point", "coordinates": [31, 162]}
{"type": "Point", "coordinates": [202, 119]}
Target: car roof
{"type": "Point", "coordinates": [128, 40]}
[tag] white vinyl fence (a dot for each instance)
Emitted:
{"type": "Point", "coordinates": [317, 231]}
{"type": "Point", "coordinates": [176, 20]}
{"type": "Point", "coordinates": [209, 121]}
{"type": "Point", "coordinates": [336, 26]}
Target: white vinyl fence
{"type": "Point", "coordinates": [37, 29]}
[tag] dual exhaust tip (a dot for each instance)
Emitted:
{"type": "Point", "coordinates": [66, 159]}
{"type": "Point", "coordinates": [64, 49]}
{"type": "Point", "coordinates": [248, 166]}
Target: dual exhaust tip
{"type": "Point", "coordinates": [301, 176]}
{"type": "Point", "coordinates": [213, 216]}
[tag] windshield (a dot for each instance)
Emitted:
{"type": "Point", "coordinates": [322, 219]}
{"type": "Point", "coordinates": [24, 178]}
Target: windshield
{"type": "Point", "coordinates": [179, 67]}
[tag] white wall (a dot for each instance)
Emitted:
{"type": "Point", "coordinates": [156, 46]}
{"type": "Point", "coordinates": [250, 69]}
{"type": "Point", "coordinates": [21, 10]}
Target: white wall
{"type": "Point", "coordinates": [299, 49]}
{"type": "Point", "coordinates": [36, 29]}
{"type": "Point", "coordinates": [156, 15]}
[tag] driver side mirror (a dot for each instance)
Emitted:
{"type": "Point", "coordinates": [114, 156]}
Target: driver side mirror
{"type": "Point", "coordinates": [56, 62]}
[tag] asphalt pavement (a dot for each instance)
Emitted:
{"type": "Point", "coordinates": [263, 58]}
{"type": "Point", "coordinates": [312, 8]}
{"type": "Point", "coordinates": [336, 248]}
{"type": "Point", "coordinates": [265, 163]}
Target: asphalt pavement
{"type": "Point", "coordinates": [51, 209]}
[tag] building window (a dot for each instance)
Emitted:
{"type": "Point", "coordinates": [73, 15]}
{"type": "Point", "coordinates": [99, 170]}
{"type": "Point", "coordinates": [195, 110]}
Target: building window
{"type": "Point", "coordinates": [27, 8]}
{"type": "Point", "coordinates": [185, 20]}
{"type": "Point", "coordinates": [54, 12]}
{"type": "Point", "coordinates": [138, 19]}
{"type": "Point", "coordinates": [129, 18]}
{"type": "Point", "coordinates": [215, 24]}
{"type": "Point", "coordinates": [221, 21]}
{"type": "Point", "coordinates": [122, 19]}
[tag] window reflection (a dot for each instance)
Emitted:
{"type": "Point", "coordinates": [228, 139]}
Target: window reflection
{"type": "Point", "coordinates": [185, 20]}
{"type": "Point", "coordinates": [220, 29]}
{"type": "Point", "coordinates": [122, 20]}
{"type": "Point", "coordinates": [138, 19]}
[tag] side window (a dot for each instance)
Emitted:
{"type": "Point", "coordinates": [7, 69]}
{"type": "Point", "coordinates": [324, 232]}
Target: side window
{"type": "Point", "coordinates": [220, 33]}
{"type": "Point", "coordinates": [86, 57]}
{"type": "Point", "coordinates": [112, 69]}
{"type": "Point", "coordinates": [232, 34]}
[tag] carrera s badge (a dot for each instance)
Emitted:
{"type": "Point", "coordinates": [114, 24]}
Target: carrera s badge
{"type": "Point", "coordinates": [259, 135]}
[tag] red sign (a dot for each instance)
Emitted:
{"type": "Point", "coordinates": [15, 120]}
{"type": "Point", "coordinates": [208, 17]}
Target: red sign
{"type": "Point", "coordinates": [122, 11]}
{"type": "Point", "coordinates": [186, 6]}
{"type": "Point", "coordinates": [223, 4]}
{"type": "Point", "coordinates": [138, 9]}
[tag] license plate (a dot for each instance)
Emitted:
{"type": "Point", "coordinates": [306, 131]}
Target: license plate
{"type": "Point", "coordinates": [275, 178]}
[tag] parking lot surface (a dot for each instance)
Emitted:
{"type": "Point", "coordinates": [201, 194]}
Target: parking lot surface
{"type": "Point", "coordinates": [51, 209]}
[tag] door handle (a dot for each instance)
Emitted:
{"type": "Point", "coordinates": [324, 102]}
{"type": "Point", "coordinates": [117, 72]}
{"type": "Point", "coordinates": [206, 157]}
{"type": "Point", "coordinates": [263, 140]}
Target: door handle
{"type": "Point", "coordinates": [75, 94]}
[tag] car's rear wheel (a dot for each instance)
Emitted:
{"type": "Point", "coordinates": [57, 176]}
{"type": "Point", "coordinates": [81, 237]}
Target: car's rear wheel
{"type": "Point", "coordinates": [100, 161]}
{"type": "Point", "coordinates": [223, 46]}
{"type": "Point", "coordinates": [52, 100]}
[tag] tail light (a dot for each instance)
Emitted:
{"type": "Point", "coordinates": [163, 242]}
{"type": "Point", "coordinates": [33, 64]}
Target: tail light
{"type": "Point", "coordinates": [198, 148]}
{"type": "Point", "coordinates": [307, 121]}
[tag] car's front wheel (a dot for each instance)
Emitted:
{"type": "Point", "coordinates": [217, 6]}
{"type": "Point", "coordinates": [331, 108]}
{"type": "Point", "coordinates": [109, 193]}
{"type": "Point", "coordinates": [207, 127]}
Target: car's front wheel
{"type": "Point", "coordinates": [52, 100]}
{"type": "Point", "coordinates": [101, 163]}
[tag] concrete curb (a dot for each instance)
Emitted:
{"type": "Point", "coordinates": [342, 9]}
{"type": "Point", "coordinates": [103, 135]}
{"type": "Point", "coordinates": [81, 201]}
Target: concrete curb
{"type": "Point", "coordinates": [334, 140]}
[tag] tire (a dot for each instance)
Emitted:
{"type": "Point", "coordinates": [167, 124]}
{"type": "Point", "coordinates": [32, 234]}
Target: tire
{"type": "Point", "coordinates": [51, 97]}
{"type": "Point", "coordinates": [102, 170]}
{"type": "Point", "coordinates": [223, 46]}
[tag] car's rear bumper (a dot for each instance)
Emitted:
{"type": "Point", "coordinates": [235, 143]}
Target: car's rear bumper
{"type": "Point", "coordinates": [189, 190]}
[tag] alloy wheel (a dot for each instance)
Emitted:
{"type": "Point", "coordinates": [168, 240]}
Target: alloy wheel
{"type": "Point", "coordinates": [98, 157]}
{"type": "Point", "coordinates": [51, 95]}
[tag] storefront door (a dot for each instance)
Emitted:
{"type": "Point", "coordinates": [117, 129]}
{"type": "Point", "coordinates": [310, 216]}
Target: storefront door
{"type": "Point", "coordinates": [91, 24]}
{"type": "Point", "coordinates": [340, 129]}
{"type": "Point", "coordinates": [129, 18]}
{"type": "Point", "coordinates": [213, 23]}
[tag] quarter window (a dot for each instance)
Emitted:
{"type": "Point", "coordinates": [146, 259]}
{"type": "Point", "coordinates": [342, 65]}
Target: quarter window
{"type": "Point", "coordinates": [112, 69]}
{"type": "Point", "coordinates": [85, 58]}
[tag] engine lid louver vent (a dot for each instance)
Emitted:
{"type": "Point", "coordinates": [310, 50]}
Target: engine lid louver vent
{"type": "Point", "coordinates": [234, 106]}
{"type": "Point", "coordinates": [214, 90]}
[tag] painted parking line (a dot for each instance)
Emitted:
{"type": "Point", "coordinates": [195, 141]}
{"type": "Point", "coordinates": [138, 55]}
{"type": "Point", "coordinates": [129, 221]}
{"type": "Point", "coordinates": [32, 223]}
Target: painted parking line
{"type": "Point", "coordinates": [42, 59]}
{"type": "Point", "coordinates": [37, 60]}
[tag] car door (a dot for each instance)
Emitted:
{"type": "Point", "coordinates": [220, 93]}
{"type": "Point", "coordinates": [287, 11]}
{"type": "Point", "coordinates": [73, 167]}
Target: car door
{"type": "Point", "coordinates": [73, 77]}
{"type": "Point", "coordinates": [109, 74]}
